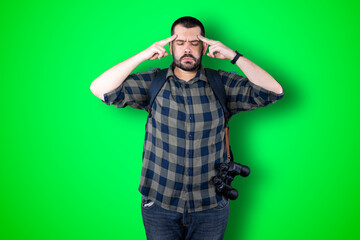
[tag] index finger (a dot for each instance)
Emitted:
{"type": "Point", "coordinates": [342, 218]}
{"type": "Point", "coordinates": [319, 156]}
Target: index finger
{"type": "Point", "coordinates": [167, 40]}
{"type": "Point", "coordinates": [206, 40]}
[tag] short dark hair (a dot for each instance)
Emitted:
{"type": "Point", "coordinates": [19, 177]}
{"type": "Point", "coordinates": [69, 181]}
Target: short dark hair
{"type": "Point", "coordinates": [188, 22]}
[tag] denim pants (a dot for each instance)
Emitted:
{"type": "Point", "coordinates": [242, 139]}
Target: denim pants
{"type": "Point", "coordinates": [162, 224]}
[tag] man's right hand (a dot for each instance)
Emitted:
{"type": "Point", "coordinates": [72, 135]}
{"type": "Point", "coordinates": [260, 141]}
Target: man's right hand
{"type": "Point", "coordinates": [115, 76]}
{"type": "Point", "coordinates": [157, 49]}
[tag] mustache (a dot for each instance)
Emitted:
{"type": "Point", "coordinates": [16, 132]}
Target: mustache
{"type": "Point", "coordinates": [188, 55]}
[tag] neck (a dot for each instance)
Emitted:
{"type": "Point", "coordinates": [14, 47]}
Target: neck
{"type": "Point", "coordinates": [185, 75]}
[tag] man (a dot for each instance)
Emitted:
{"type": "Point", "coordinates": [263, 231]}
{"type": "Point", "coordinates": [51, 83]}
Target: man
{"type": "Point", "coordinates": [184, 141]}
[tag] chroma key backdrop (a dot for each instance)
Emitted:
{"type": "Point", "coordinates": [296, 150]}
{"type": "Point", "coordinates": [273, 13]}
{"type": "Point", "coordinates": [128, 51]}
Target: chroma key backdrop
{"type": "Point", "coordinates": [70, 165]}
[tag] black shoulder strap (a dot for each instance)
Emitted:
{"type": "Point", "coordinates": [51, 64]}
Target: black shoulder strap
{"type": "Point", "coordinates": [155, 86]}
{"type": "Point", "coordinates": [217, 86]}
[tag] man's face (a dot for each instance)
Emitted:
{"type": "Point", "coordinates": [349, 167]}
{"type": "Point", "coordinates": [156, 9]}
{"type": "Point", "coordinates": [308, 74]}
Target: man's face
{"type": "Point", "coordinates": [187, 50]}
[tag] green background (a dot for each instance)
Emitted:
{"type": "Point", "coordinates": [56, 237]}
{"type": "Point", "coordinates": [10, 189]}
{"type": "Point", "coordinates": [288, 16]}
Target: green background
{"type": "Point", "coordinates": [70, 165]}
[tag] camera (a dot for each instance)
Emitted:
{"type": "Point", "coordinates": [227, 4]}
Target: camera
{"type": "Point", "coordinates": [227, 173]}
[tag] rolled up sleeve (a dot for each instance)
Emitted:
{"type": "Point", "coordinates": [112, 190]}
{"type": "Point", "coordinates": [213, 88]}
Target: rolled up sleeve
{"type": "Point", "coordinates": [132, 92]}
{"type": "Point", "coordinates": [243, 95]}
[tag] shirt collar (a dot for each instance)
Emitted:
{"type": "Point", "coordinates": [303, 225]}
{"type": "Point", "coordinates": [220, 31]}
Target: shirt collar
{"type": "Point", "coordinates": [200, 75]}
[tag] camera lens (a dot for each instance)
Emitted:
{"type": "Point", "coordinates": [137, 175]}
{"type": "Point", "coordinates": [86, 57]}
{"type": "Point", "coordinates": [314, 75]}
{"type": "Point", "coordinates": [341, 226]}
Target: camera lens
{"type": "Point", "coordinates": [245, 171]}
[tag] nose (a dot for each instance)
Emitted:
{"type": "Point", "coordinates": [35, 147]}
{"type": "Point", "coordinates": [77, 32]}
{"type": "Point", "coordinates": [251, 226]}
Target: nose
{"type": "Point", "coordinates": [187, 47]}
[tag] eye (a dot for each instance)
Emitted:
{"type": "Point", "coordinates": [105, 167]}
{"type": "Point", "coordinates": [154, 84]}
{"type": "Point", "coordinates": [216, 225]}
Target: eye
{"type": "Point", "coordinates": [195, 43]}
{"type": "Point", "coordinates": [180, 43]}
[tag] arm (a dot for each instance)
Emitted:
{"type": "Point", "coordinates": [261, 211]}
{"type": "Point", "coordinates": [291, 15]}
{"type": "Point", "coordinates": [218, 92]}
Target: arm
{"type": "Point", "coordinates": [253, 72]}
{"type": "Point", "coordinates": [115, 76]}
{"type": "Point", "coordinates": [258, 75]}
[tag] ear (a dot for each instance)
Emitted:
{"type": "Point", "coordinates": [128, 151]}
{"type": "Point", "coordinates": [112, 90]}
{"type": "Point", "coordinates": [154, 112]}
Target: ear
{"type": "Point", "coordinates": [205, 45]}
{"type": "Point", "coordinates": [170, 48]}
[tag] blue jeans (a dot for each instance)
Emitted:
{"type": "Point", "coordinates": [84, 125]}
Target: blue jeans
{"type": "Point", "coordinates": [162, 224]}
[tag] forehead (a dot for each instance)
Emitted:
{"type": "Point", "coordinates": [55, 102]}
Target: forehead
{"type": "Point", "coordinates": [186, 33]}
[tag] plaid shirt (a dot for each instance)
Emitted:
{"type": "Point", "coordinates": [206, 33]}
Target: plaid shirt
{"type": "Point", "coordinates": [184, 139]}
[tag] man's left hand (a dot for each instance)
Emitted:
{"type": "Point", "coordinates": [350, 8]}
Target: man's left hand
{"type": "Point", "coordinates": [217, 49]}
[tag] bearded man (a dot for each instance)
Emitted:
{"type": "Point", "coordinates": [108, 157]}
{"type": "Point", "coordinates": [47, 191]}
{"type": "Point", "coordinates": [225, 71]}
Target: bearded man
{"type": "Point", "coordinates": [184, 139]}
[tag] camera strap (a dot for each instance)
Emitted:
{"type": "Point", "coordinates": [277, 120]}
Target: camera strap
{"type": "Point", "coordinates": [228, 154]}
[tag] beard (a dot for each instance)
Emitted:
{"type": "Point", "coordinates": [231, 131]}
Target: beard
{"type": "Point", "coordinates": [188, 66]}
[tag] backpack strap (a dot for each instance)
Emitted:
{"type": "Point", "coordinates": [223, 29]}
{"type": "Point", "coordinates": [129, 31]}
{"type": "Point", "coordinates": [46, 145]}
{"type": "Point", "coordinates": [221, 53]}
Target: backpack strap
{"type": "Point", "coordinates": [155, 86]}
{"type": "Point", "coordinates": [218, 88]}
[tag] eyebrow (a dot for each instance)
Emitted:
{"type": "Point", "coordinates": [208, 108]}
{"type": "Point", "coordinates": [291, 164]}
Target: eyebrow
{"type": "Point", "coordinates": [185, 41]}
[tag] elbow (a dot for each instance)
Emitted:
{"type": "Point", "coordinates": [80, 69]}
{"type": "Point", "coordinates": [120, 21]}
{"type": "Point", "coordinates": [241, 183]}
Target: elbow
{"type": "Point", "coordinates": [93, 89]}
{"type": "Point", "coordinates": [279, 90]}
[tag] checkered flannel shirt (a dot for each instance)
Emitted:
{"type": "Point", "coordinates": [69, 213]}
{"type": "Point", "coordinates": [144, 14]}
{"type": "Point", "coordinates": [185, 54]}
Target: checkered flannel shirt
{"type": "Point", "coordinates": [184, 139]}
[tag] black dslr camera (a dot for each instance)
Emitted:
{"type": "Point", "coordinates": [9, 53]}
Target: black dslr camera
{"type": "Point", "coordinates": [227, 173]}
{"type": "Point", "coordinates": [224, 179]}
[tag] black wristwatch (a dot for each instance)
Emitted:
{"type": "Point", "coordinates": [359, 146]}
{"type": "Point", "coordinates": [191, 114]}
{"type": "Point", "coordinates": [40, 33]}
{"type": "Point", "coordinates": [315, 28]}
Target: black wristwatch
{"type": "Point", "coordinates": [236, 57]}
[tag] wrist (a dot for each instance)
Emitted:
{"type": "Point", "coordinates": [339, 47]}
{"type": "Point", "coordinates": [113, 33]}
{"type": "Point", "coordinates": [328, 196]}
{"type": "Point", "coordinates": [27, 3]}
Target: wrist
{"type": "Point", "coordinates": [237, 56]}
{"type": "Point", "coordinates": [232, 55]}
{"type": "Point", "coordinates": [141, 56]}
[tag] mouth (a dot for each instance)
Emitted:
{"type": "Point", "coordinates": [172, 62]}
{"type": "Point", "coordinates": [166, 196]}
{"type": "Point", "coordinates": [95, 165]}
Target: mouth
{"type": "Point", "coordinates": [187, 59]}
